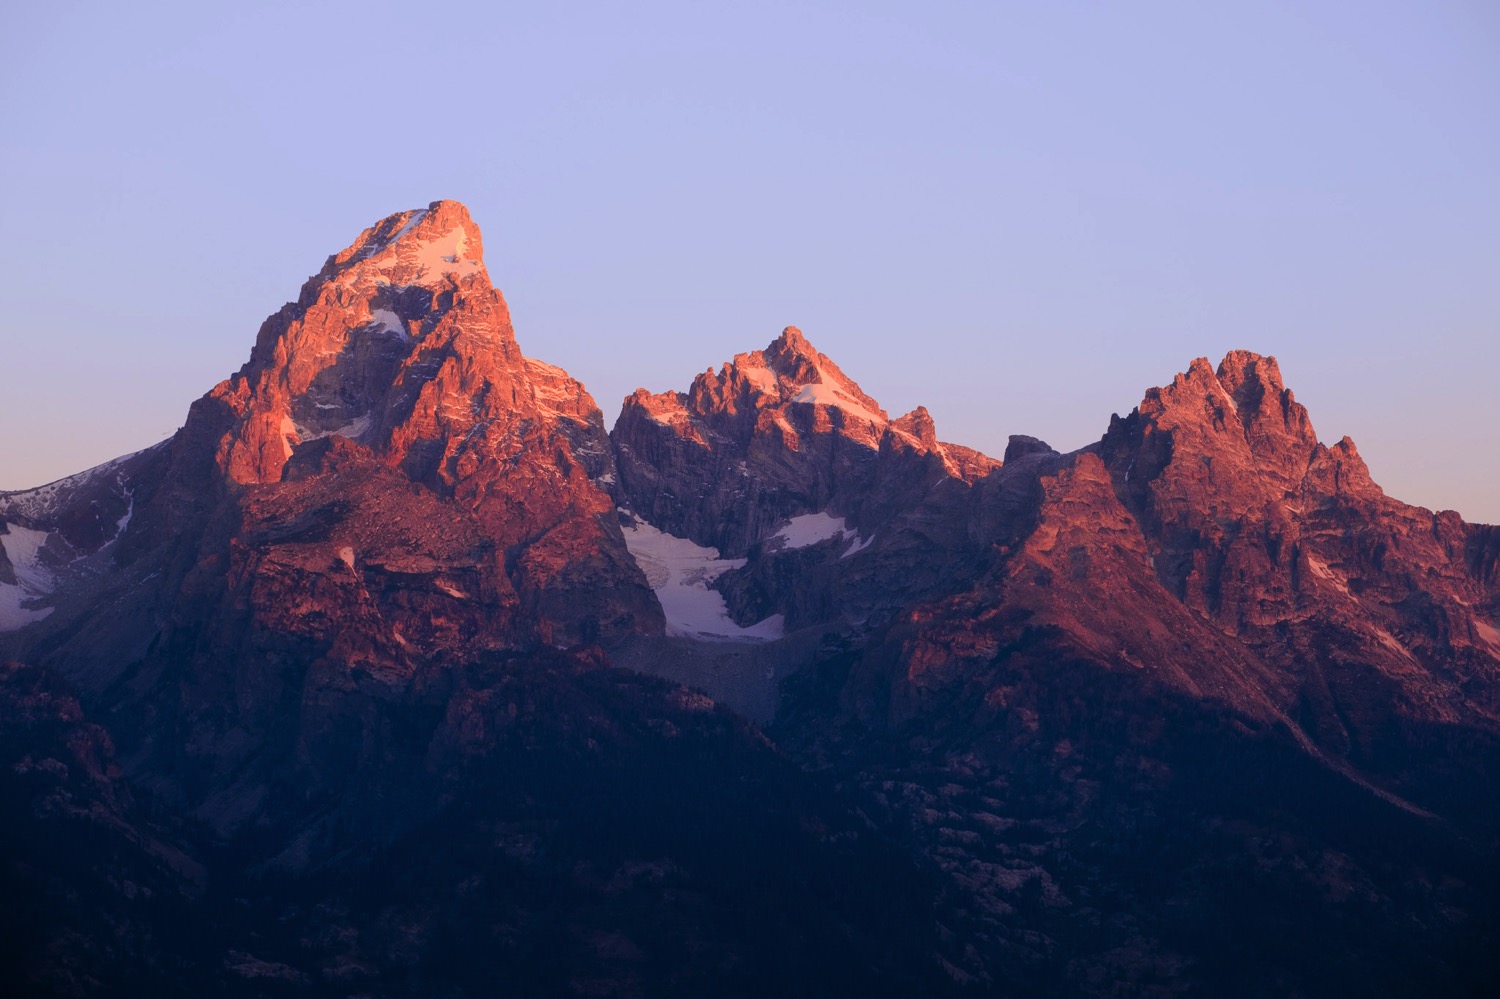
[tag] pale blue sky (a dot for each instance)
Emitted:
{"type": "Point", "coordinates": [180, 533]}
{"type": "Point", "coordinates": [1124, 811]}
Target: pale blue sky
{"type": "Point", "coordinates": [1021, 215]}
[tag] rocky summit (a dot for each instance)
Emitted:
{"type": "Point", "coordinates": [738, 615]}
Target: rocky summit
{"type": "Point", "coordinates": [392, 672]}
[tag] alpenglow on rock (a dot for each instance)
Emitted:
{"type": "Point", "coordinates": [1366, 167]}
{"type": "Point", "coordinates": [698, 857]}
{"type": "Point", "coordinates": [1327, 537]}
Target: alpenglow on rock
{"type": "Point", "coordinates": [359, 684]}
{"type": "Point", "coordinates": [773, 434]}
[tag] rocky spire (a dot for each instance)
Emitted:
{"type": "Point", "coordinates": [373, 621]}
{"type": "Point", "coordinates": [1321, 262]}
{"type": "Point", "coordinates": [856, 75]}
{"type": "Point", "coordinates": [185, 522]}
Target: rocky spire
{"type": "Point", "coordinates": [1238, 417]}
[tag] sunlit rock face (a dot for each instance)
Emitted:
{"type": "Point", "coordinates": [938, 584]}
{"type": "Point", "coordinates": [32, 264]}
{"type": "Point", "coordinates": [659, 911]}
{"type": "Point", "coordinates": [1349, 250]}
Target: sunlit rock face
{"type": "Point", "coordinates": [1194, 709]}
{"type": "Point", "coordinates": [402, 344]}
{"type": "Point", "coordinates": [1203, 634]}
{"type": "Point", "coordinates": [1286, 544]}
{"type": "Point", "coordinates": [1208, 541]}
{"type": "Point", "coordinates": [387, 485]}
{"type": "Point", "coordinates": [1211, 543]}
{"type": "Point", "coordinates": [832, 513]}
{"type": "Point", "coordinates": [774, 434]}
{"type": "Point", "coordinates": [397, 370]}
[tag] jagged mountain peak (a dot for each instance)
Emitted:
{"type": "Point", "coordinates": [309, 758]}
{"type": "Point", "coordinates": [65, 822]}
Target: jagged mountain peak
{"type": "Point", "coordinates": [794, 357]}
{"type": "Point", "coordinates": [394, 282]}
{"type": "Point", "coordinates": [379, 580]}
{"type": "Point", "coordinates": [1239, 364]}
{"type": "Point", "coordinates": [786, 390]}
{"type": "Point", "coordinates": [919, 425]}
{"type": "Point", "coordinates": [773, 434]}
{"type": "Point", "coordinates": [792, 339]}
{"type": "Point", "coordinates": [397, 366]}
{"type": "Point", "coordinates": [789, 371]}
{"type": "Point", "coordinates": [389, 413]}
{"type": "Point", "coordinates": [1241, 412]}
{"type": "Point", "coordinates": [1021, 445]}
{"type": "Point", "coordinates": [399, 343]}
{"type": "Point", "coordinates": [1265, 404]}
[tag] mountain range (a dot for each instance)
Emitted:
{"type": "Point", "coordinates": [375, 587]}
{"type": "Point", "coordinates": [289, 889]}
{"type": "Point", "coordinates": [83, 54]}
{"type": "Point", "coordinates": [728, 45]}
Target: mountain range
{"type": "Point", "coordinates": [393, 671]}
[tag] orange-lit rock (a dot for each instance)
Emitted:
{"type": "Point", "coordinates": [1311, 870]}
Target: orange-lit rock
{"type": "Point", "coordinates": [773, 434]}
{"type": "Point", "coordinates": [1194, 709]}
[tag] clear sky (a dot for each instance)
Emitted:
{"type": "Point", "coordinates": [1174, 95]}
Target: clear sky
{"type": "Point", "coordinates": [1021, 215]}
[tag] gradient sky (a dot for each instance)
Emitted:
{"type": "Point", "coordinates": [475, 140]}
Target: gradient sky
{"type": "Point", "coordinates": [1021, 215]}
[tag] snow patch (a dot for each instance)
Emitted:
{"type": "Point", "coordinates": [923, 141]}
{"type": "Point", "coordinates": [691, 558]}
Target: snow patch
{"type": "Point", "coordinates": [815, 528]}
{"type": "Point", "coordinates": [445, 254]}
{"type": "Point", "coordinates": [762, 377]}
{"type": "Point", "coordinates": [1320, 569]}
{"type": "Point", "coordinates": [434, 257]}
{"type": "Point", "coordinates": [1394, 644]}
{"type": "Point", "coordinates": [1489, 634]}
{"type": "Point", "coordinates": [826, 394]}
{"type": "Point", "coordinates": [291, 435]}
{"type": "Point", "coordinates": [14, 613]}
{"type": "Point", "coordinates": [23, 548]}
{"type": "Point", "coordinates": [411, 223]}
{"type": "Point", "coordinates": [858, 545]}
{"type": "Point", "coordinates": [353, 430]}
{"type": "Point", "coordinates": [1227, 397]}
{"type": "Point", "coordinates": [809, 529]}
{"type": "Point", "coordinates": [124, 520]}
{"type": "Point", "coordinates": [388, 322]}
{"type": "Point", "coordinates": [681, 573]}
{"type": "Point", "coordinates": [453, 591]}
{"type": "Point", "coordinates": [358, 428]}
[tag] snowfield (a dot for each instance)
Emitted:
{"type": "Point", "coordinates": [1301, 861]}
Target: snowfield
{"type": "Point", "coordinates": [682, 574]}
{"type": "Point", "coordinates": [828, 394]}
{"type": "Point", "coordinates": [809, 529]}
{"type": "Point", "coordinates": [813, 528]}
{"type": "Point", "coordinates": [22, 547]}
